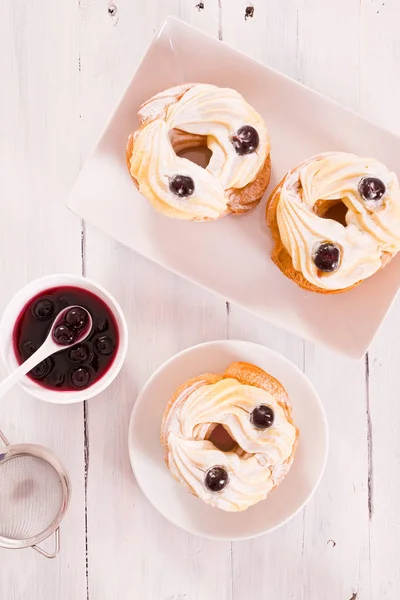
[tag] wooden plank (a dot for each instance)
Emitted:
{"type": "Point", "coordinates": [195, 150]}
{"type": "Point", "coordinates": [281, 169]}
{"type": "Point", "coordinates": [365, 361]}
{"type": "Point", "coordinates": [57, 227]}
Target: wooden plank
{"type": "Point", "coordinates": [384, 460]}
{"type": "Point", "coordinates": [270, 35]}
{"type": "Point", "coordinates": [133, 551]}
{"type": "Point", "coordinates": [38, 161]}
{"type": "Point", "coordinates": [272, 562]}
{"type": "Point", "coordinates": [380, 96]}
{"type": "Point", "coordinates": [270, 566]}
{"type": "Point", "coordinates": [302, 559]}
{"type": "Point", "coordinates": [336, 521]}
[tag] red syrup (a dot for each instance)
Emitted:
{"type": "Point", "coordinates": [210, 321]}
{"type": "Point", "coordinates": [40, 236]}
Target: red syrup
{"type": "Point", "coordinates": [75, 368]}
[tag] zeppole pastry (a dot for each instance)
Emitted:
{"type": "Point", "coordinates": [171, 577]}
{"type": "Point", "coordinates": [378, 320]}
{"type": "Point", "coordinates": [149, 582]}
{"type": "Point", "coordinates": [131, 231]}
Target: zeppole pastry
{"type": "Point", "coordinates": [324, 253]}
{"type": "Point", "coordinates": [239, 468]}
{"type": "Point", "coordinates": [193, 115]}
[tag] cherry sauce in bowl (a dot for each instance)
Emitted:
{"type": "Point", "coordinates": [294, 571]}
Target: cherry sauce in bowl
{"type": "Point", "coordinates": [70, 369]}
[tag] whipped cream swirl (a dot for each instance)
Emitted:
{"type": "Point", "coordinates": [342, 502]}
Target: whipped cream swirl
{"type": "Point", "coordinates": [372, 229]}
{"type": "Point", "coordinates": [263, 456]}
{"type": "Point", "coordinates": [203, 114]}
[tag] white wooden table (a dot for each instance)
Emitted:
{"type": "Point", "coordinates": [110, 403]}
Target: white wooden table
{"type": "Point", "coordinates": [64, 65]}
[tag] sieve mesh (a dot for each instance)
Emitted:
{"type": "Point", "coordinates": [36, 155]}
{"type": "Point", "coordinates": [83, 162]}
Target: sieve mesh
{"type": "Point", "coordinates": [31, 496]}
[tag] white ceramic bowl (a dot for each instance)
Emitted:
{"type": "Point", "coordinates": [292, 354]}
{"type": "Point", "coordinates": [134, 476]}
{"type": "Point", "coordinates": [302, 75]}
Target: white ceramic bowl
{"type": "Point", "coordinates": [171, 499]}
{"type": "Point", "coordinates": [14, 309]}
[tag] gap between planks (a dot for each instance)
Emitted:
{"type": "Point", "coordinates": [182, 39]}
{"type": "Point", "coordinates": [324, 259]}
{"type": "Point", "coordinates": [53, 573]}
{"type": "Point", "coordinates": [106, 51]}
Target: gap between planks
{"type": "Point", "coordinates": [369, 441]}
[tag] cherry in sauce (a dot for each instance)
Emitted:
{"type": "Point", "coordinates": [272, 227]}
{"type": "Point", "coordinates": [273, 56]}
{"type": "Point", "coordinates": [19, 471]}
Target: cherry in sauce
{"type": "Point", "coordinates": [73, 368]}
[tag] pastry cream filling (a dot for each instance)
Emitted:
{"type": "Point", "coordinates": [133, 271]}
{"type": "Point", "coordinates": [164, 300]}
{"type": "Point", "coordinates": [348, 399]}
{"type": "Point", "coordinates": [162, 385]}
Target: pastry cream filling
{"type": "Point", "coordinates": [204, 110]}
{"type": "Point", "coordinates": [267, 452]}
{"type": "Point", "coordinates": [371, 229]}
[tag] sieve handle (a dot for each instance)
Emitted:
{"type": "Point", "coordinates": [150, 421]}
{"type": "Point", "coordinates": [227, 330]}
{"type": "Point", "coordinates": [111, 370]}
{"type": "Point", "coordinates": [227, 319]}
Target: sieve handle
{"type": "Point", "coordinates": [4, 439]}
{"type": "Point", "coordinates": [56, 546]}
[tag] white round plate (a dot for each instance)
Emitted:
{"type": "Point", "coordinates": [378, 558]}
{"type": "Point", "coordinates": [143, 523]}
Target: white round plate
{"type": "Point", "coordinates": [171, 499]}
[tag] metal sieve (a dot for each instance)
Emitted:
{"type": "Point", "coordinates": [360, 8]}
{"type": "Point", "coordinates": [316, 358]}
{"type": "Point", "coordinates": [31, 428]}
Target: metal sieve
{"type": "Point", "coordinates": [34, 495]}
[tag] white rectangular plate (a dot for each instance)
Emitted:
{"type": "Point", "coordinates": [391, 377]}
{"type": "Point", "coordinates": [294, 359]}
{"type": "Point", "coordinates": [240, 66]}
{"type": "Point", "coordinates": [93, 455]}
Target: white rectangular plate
{"type": "Point", "coordinates": [231, 257]}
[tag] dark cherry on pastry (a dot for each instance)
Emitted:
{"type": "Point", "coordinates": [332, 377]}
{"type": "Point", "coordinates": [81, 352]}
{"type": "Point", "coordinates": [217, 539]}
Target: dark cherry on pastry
{"type": "Point", "coordinates": [246, 140]}
{"type": "Point", "coordinates": [71, 368]}
{"type": "Point", "coordinates": [371, 188]}
{"type": "Point", "coordinates": [262, 417]}
{"type": "Point", "coordinates": [181, 185]}
{"type": "Point", "coordinates": [216, 479]}
{"type": "Point", "coordinates": [326, 257]}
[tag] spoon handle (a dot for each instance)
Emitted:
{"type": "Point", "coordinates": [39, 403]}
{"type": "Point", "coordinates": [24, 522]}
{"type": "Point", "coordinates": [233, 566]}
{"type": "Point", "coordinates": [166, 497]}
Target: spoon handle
{"type": "Point", "coordinates": [43, 352]}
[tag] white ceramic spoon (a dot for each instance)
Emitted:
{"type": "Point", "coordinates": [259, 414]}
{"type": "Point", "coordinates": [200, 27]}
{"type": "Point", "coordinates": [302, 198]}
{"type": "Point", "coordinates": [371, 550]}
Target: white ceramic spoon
{"type": "Point", "coordinates": [50, 346]}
